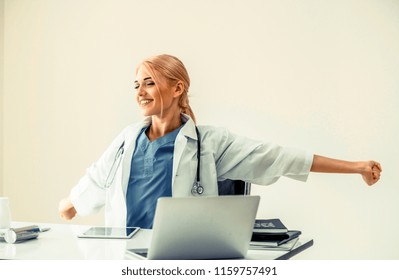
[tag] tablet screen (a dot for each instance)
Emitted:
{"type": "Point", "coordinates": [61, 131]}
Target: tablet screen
{"type": "Point", "coordinates": [109, 232]}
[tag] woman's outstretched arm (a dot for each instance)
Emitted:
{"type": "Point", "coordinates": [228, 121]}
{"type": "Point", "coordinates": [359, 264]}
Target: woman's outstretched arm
{"type": "Point", "coordinates": [370, 170]}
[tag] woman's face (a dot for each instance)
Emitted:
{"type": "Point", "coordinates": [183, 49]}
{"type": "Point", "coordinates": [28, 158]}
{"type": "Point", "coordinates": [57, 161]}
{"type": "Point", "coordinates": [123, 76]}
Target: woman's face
{"type": "Point", "coordinates": [150, 100]}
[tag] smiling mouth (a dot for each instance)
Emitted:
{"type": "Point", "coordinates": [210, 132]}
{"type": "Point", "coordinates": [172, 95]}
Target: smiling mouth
{"type": "Point", "coordinates": [145, 102]}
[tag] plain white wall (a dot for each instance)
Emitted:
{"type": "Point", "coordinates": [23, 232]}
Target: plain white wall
{"type": "Point", "coordinates": [1, 91]}
{"type": "Point", "coordinates": [319, 75]}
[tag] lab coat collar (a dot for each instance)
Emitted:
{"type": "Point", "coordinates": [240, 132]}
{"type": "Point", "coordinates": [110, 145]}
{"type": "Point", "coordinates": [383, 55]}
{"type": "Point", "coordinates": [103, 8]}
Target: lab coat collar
{"type": "Point", "coordinates": [187, 130]}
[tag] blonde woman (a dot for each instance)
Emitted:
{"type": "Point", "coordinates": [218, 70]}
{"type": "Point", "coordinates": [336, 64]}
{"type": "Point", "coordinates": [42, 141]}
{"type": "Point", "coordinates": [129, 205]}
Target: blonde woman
{"type": "Point", "coordinates": [159, 156]}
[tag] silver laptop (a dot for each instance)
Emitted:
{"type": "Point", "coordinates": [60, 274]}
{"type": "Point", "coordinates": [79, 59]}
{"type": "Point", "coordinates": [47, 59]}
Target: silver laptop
{"type": "Point", "coordinates": [201, 228]}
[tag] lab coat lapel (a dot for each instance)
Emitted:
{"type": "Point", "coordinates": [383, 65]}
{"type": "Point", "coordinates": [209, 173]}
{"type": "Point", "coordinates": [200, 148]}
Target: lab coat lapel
{"type": "Point", "coordinates": [187, 131]}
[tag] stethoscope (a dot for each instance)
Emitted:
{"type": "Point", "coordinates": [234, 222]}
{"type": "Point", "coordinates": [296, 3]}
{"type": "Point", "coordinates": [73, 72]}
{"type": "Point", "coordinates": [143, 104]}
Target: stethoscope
{"type": "Point", "coordinates": [196, 189]}
{"type": "Point", "coordinates": [114, 166]}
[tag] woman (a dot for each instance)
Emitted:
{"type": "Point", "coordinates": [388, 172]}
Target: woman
{"type": "Point", "coordinates": [158, 157]}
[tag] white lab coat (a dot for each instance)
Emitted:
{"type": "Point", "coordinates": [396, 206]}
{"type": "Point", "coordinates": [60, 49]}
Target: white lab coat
{"type": "Point", "coordinates": [223, 156]}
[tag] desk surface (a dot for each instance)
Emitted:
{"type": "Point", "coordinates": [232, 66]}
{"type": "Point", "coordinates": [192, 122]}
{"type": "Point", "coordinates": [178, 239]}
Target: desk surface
{"type": "Point", "coordinates": [61, 243]}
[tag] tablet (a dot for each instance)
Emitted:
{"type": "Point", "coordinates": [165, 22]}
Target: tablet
{"type": "Point", "coordinates": [109, 232]}
{"type": "Point", "coordinates": [138, 253]}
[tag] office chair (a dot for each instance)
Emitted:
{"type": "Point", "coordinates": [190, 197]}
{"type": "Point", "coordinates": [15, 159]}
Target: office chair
{"type": "Point", "coordinates": [234, 187]}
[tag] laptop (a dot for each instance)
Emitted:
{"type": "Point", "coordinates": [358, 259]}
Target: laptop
{"type": "Point", "coordinates": [217, 227]}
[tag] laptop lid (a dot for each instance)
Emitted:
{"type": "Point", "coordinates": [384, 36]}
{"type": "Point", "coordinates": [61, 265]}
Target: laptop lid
{"type": "Point", "coordinates": [203, 227]}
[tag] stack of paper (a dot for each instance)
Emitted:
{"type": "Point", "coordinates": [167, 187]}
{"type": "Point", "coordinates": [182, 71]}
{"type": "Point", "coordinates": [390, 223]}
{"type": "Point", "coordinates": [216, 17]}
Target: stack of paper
{"type": "Point", "coordinates": [287, 246]}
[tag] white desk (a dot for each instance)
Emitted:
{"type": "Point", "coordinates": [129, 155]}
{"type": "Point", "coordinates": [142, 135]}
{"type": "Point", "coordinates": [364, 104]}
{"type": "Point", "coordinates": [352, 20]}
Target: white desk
{"type": "Point", "coordinates": [61, 243]}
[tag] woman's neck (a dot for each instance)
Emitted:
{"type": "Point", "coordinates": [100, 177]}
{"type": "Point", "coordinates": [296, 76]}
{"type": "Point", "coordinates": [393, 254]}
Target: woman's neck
{"type": "Point", "coordinates": [162, 126]}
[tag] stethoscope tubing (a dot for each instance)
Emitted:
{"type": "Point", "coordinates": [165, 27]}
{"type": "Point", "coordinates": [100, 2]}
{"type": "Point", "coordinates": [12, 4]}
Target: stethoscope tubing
{"type": "Point", "coordinates": [115, 165]}
{"type": "Point", "coordinates": [197, 188]}
{"type": "Point", "coordinates": [198, 154]}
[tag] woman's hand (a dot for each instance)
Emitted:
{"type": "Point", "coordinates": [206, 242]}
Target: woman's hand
{"type": "Point", "coordinates": [371, 172]}
{"type": "Point", "coordinates": [66, 209]}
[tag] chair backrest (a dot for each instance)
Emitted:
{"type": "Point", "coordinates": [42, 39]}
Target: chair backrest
{"type": "Point", "coordinates": [234, 187]}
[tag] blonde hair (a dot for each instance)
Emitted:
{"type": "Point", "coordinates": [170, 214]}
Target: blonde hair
{"type": "Point", "coordinates": [173, 70]}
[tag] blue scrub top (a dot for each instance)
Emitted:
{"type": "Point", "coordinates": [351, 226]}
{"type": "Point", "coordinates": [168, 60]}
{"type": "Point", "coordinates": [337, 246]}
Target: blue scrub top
{"type": "Point", "coordinates": [150, 177]}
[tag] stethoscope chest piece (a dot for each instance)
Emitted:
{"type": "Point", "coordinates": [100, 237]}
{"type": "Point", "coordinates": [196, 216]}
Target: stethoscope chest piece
{"type": "Point", "coordinates": [197, 189]}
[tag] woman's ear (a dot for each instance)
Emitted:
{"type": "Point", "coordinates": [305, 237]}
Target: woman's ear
{"type": "Point", "coordinates": [179, 89]}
